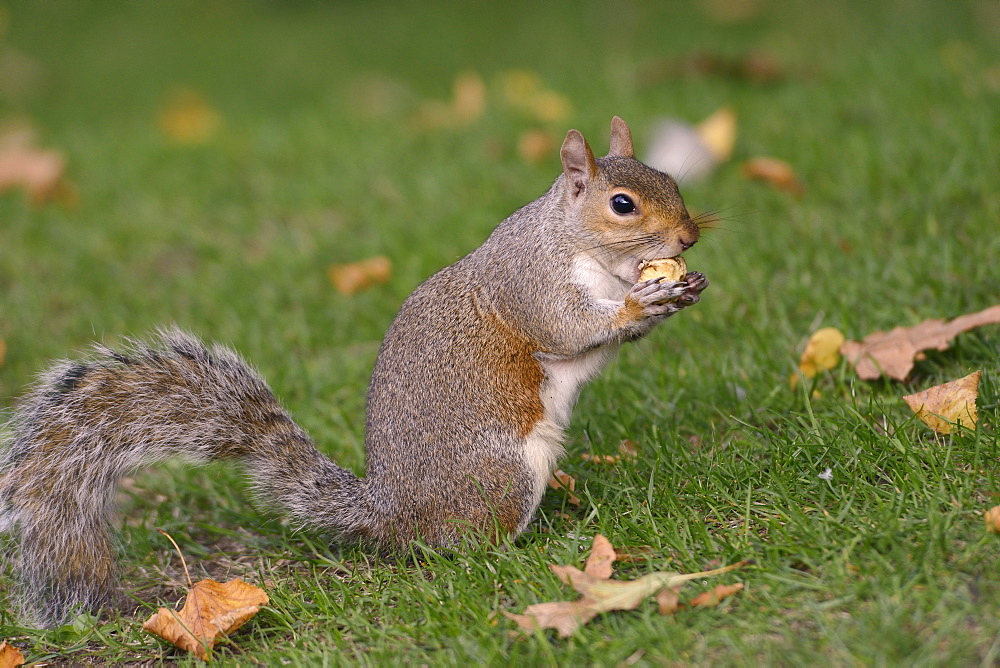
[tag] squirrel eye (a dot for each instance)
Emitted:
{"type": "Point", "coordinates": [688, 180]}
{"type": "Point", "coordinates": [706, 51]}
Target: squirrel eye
{"type": "Point", "coordinates": [622, 204]}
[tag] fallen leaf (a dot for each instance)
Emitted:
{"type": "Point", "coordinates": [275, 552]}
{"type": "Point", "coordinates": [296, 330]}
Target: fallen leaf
{"type": "Point", "coordinates": [628, 449]}
{"type": "Point", "coordinates": [524, 90]}
{"type": "Point", "coordinates": [718, 132]}
{"type": "Point", "coordinates": [602, 556]}
{"type": "Point", "coordinates": [353, 277]}
{"type": "Point", "coordinates": [690, 153]}
{"type": "Point", "coordinates": [668, 600]}
{"type": "Point", "coordinates": [600, 594]}
{"type": "Point", "coordinates": [563, 616]}
{"type": "Point", "coordinates": [10, 656]}
{"type": "Point", "coordinates": [468, 97]}
{"type": "Point", "coordinates": [712, 597]}
{"type": "Point", "coordinates": [562, 480]}
{"type": "Point", "coordinates": [536, 145]}
{"type": "Point", "coordinates": [944, 406]}
{"type": "Point", "coordinates": [187, 118]}
{"type": "Point", "coordinates": [38, 171]}
{"type": "Point", "coordinates": [894, 352]}
{"type": "Point", "coordinates": [212, 610]}
{"type": "Point", "coordinates": [3, 351]}
{"type": "Point", "coordinates": [993, 520]}
{"type": "Point", "coordinates": [599, 459]}
{"type": "Point", "coordinates": [777, 173]}
{"type": "Point", "coordinates": [822, 352]}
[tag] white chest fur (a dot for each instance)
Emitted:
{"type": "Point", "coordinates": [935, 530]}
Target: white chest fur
{"type": "Point", "coordinates": [564, 377]}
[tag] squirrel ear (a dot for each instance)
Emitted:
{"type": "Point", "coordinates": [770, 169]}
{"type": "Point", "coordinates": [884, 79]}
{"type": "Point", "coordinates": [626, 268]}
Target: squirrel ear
{"type": "Point", "coordinates": [621, 140]}
{"type": "Point", "coordinates": [578, 161]}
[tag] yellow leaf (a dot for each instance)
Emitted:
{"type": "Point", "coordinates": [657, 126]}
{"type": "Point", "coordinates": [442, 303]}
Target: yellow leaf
{"type": "Point", "coordinates": [211, 611]}
{"type": "Point", "coordinates": [718, 132]}
{"type": "Point", "coordinates": [188, 119]}
{"type": "Point", "coordinates": [10, 656]}
{"type": "Point", "coordinates": [943, 406]}
{"type": "Point", "coordinates": [822, 352]}
{"type": "Point", "coordinates": [352, 277]}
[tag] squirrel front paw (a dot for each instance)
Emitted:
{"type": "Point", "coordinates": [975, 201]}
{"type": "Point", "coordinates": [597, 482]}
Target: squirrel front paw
{"type": "Point", "coordinates": [656, 298]}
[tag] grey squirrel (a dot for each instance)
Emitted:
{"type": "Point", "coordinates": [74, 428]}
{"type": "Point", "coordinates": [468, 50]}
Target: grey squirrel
{"type": "Point", "coordinates": [472, 389]}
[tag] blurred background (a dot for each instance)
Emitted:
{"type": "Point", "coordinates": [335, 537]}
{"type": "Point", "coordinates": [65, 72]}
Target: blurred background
{"type": "Point", "coordinates": [208, 162]}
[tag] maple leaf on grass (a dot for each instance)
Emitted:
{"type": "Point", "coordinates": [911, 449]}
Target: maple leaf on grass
{"type": "Point", "coordinates": [10, 656]}
{"type": "Point", "coordinates": [212, 610]}
{"type": "Point", "coordinates": [893, 352]}
{"type": "Point", "coordinates": [945, 406]}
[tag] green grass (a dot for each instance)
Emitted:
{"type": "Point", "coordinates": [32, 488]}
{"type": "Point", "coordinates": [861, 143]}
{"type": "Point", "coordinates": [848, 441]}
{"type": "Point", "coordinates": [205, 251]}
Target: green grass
{"type": "Point", "coordinates": [888, 113]}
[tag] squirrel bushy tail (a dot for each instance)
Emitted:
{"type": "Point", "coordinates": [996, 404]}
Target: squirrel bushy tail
{"type": "Point", "coordinates": [86, 424]}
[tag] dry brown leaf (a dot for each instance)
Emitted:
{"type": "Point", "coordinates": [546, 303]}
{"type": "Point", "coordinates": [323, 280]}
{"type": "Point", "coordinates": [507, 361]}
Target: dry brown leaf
{"type": "Point", "coordinates": [187, 118]}
{"type": "Point", "coordinates": [893, 352]}
{"type": "Point", "coordinates": [212, 610]}
{"type": "Point", "coordinates": [600, 594]}
{"type": "Point", "coordinates": [38, 171]}
{"type": "Point", "coordinates": [353, 277]}
{"type": "Point", "coordinates": [711, 598]}
{"type": "Point", "coordinates": [602, 556]}
{"type": "Point", "coordinates": [628, 449]}
{"type": "Point", "coordinates": [563, 616]}
{"type": "Point", "coordinates": [562, 480]}
{"type": "Point", "coordinates": [3, 351]}
{"type": "Point", "coordinates": [944, 406]}
{"type": "Point", "coordinates": [776, 172]}
{"type": "Point", "coordinates": [599, 459]}
{"type": "Point", "coordinates": [10, 656]}
{"type": "Point", "coordinates": [718, 132]}
{"type": "Point", "coordinates": [992, 518]}
{"type": "Point", "coordinates": [668, 600]}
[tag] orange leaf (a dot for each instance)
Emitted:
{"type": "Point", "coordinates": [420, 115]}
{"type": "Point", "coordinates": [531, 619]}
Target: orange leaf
{"type": "Point", "coordinates": [10, 656]}
{"type": "Point", "coordinates": [776, 172]}
{"type": "Point", "coordinates": [943, 406]}
{"type": "Point", "coordinates": [602, 555]}
{"type": "Point", "coordinates": [352, 277]}
{"type": "Point", "coordinates": [211, 611]}
{"type": "Point", "coordinates": [993, 520]}
{"type": "Point", "coordinates": [710, 598]}
{"type": "Point", "coordinates": [893, 352]}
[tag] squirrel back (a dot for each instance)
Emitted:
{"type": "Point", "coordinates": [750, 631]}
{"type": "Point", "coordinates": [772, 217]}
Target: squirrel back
{"type": "Point", "coordinates": [470, 395]}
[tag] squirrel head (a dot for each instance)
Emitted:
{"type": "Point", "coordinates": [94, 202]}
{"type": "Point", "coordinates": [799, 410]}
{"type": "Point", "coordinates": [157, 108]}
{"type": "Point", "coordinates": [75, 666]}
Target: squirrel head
{"type": "Point", "coordinates": [630, 211]}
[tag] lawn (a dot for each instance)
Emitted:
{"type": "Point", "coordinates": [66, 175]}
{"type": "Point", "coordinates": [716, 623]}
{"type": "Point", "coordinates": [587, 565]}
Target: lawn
{"type": "Point", "coordinates": [326, 136]}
